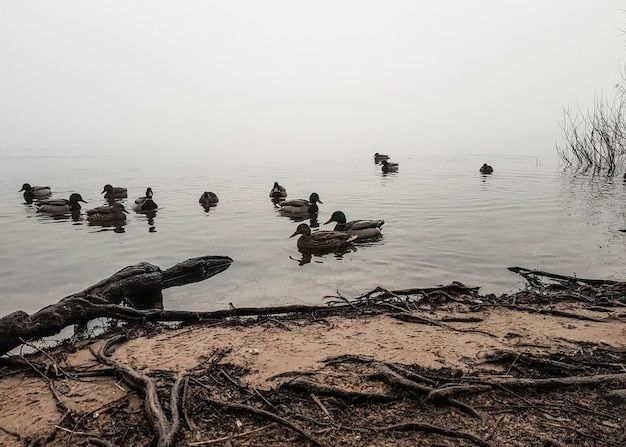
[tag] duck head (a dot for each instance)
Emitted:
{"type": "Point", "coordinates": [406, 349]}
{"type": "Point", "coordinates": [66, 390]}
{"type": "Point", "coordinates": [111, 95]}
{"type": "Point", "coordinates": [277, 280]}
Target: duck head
{"type": "Point", "coordinates": [73, 201]}
{"type": "Point", "coordinates": [315, 198]}
{"type": "Point", "coordinates": [338, 216]}
{"type": "Point", "coordinates": [75, 198]}
{"type": "Point", "coordinates": [302, 229]}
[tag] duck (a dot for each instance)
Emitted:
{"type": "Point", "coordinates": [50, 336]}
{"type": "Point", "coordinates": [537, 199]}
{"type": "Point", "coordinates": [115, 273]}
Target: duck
{"type": "Point", "coordinates": [35, 192]}
{"type": "Point", "coordinates": [301, 206]}
{"type": "Point", "coordinates": [208, 198]}
{"type": "Point", "coordinates": [145, 203]}
{"type": "Point", "coordinates": [380, 157]}
{"type": "Point", "coordinates": [364, 229]}
{"type": "Point", "coordinates": [114, 192]}
{"type": "Point", "coordinates": [278, 192]}
{"type": "Point", "coordinates": [486, 169]}
{"type": "Point", "coordinates": [322, 240]}
{"type": "Point", "coordinates": [107, 214]}
{"type": "Point", "coordinates": [60, 206]}
{"type": "Point", "coordinates": [389, 167]}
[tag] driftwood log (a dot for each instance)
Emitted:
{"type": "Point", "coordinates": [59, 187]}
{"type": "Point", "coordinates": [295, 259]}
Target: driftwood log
{"type": "Point", "coordinates": [133, 288]}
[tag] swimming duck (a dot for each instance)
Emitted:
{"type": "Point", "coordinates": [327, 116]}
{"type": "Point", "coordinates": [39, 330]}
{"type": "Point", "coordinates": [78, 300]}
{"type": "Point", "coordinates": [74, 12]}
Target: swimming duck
{"type": "Point", "coordinates": [145, 203]}
{"type": "Point", "coordinates": [107, 214]}
{"type": "Point", "coordinates": [208, 198]}
{"type": "Point", "coordinates": [380, 157]}
{"type": "Point", "coordinates": [35, 192]}
{"type": "Point", "coordinates": [60, 206]}
{"type": "Point", "coordinates": [301, 206]}
{"type": "Point", "coordinates": [364, 229]}
{"type": "Point", "coordinates": [277, 191]}
{"type": "Point", "coordinates": [322, 240]}
{"type": "Point", "coordinates": [486, 169]}
{"type": "Point", "coordinates": [114, 192]}
{"type": "Point", "coordinates": [389, 167]}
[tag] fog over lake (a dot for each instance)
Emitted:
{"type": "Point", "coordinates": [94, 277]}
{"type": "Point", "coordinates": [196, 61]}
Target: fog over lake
{"type": "Point", "coordinates": [290, 78]}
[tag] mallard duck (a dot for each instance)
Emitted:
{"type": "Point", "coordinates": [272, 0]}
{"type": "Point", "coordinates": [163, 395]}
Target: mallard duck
{"type": "Point", "coordinates": [278, 192]}
{"type": "Point", "coordinates": [389, 167]}
{"type": "Point", "coordinates": [208, 198]}
{"type": "Point", "coordinates": [486, 169]}
{"type": "Point", "coordinates": [322, 240]}
{"type": "Point", "coordinates": [364, 229]}
{"type": "Point", "coordinates": [107, 214]}
{"type": "Point", "coordinates": [145, 203]}
{"type": "Point", "coordinates": [380, 157]}
{"type": "Point", "coordinates": [301, 206]}
{"type": "Point", "coordinates": [35, 192]}
{"type": "Point", "coordinates": [114, 192]}
{"type": "Point", "coordinates": [60, 206]}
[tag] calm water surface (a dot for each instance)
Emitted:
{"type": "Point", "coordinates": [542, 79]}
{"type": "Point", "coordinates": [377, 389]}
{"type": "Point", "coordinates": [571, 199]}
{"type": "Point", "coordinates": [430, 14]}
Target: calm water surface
{"type": "Point", "coordinates": [444, 222]}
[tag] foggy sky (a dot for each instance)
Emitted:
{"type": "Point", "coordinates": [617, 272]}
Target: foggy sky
{"type": "Point", "coordinates": [299, 77]}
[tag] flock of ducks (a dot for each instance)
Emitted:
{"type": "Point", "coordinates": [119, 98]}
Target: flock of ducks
{"type": "Point", "coordinates": [344, 233]}
{"type": "Point", "coordinates": [340, 237]}
{"type": "Point", "coordinates": [113, 213]}
{"type": "Point", "coordinates": [387, 166]}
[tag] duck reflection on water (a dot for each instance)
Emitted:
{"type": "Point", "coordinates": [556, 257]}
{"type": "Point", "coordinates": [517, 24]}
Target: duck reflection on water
{"type": "Point", "coordinates": [308, 255]}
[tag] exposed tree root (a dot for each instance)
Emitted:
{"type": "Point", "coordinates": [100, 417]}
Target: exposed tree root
{"type": "Point", "coordinates": [165, 430]}
{"type": "Point", "coordinates": [511, 397]}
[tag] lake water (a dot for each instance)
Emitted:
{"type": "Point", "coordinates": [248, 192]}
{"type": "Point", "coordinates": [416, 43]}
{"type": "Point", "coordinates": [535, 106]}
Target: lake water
{"type": "Point", "coordinates": [444, 222]}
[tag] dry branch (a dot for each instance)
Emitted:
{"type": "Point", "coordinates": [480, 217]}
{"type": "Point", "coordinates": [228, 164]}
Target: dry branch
{"type": "Point", "coordinates": [417, 426]}
{"type": "Point", "coordinates": [259, 412]}
{"type": "Point", "coordinates": [301, 385]}
{"type": "Point", "coordinates": [553, 382]}
{"type": "Point", "coordinates": [390, 377]}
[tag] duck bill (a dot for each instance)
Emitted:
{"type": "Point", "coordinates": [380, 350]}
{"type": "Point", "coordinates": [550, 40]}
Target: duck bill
{"type": "Point", "coordinates": [296, 232]}
{"type": "Point", "coordinates": [328, 221]}
{"type": "Point", "coordinates": [319, 201]}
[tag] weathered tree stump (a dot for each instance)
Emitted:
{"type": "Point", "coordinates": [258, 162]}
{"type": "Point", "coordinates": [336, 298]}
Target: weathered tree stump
{"type": "Point", "coordinates": [138, 286]}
